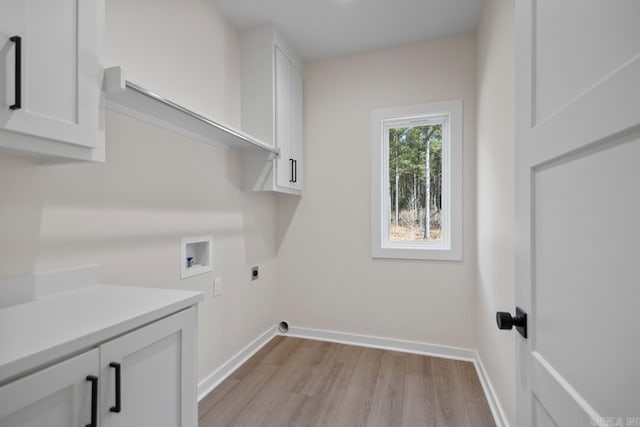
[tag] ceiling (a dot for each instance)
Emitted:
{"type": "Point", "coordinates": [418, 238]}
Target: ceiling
{"type": "Point", "coordinates": [319, 29]}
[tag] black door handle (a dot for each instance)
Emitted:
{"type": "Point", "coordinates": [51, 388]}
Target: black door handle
{"type": "Point", "coordinates": [506, 321]}
{"type": "Point", "coordinates": [94, 400]}
{"type": "Point", "coordinates": [117, 408]}
{"type": "Point", "coordinates": [18, 77]}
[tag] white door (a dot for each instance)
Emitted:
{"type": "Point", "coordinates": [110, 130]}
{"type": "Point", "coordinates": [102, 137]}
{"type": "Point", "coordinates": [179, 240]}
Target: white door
{"type": "Point", "coordinates": [61, 73]}
{"type": "Point", "coordinates": [156, 370]}
{"type": "Point", "coordinates": [59, 396]}
{"type": "Point", "coordinates": [285, 164]}
{"type": "Point", "coordinates": [297, 87]}
{"type": "Point", "coordinates": [578, 211]}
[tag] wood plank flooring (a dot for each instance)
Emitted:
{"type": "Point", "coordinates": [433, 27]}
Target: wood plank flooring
{"type": "Point", "coordinates": [299, 382]}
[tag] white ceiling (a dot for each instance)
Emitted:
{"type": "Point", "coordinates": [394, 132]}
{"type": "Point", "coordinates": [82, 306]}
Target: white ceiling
{"type": "Point", "coordinates": [319, 29]}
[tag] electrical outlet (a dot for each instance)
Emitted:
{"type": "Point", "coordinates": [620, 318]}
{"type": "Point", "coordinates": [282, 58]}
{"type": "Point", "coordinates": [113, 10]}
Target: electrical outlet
{"type": "Point", "coordinates": [255, 274]}
{"type": "Point", "coordinates": [217, 287]}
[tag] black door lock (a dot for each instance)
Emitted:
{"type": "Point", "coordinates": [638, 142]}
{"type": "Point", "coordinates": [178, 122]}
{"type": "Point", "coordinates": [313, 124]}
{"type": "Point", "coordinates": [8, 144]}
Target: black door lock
{"type": "Point", "coordinates": [506, 321]}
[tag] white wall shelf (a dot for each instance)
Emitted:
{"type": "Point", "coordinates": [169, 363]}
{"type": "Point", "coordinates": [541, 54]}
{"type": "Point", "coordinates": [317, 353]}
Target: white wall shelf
{"type": "Point", "coordinates": [135, 101]}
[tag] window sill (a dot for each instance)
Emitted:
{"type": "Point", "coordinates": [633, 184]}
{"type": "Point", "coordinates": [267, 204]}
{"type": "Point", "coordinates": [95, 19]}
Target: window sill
{"type": "Point", "coordinates": [421, 253]}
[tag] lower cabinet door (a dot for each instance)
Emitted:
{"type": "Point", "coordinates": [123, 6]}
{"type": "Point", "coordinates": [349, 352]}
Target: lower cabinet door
{"type": "Point", "coordinates": [62, 395]}
{"type": "Point", "coordinates": [148, 377]}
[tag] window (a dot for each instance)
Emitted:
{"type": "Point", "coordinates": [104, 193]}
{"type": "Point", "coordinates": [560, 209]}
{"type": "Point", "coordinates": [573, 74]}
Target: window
{"type": "Point", "coordinates": [417, 181]}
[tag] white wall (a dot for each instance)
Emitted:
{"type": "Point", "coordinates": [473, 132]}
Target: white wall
{"type": "Point", "coordinates": [496, 205]}
{"type": "Point", "coordinates": [129, 214]}
{"type": "Point", "coordinates": [326, 276]}
{"type": "Point", "coordinates": [184, 50]}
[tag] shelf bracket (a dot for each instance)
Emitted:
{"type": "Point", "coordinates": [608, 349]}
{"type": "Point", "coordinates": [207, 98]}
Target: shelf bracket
{"type": "Point", "coordinates": [276, 155]}
{"type": "Point", "coordinates": [114, 80]}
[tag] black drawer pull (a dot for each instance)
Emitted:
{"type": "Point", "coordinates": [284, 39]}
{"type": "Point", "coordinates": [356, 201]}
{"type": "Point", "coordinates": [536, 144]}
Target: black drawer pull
{"type": "Point", "coordinates": [117, 408]}
{"type": "Point", "coordinates": [18, 77]}
{"type": "Point", "coordinates": [94, 400]}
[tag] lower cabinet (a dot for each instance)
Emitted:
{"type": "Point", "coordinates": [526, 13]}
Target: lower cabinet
{"type": "Point", "coordinates": [156, 372]}
{"type": "Point", "coordinates": [62, 395]}
{"type": "Point", "coordinates": [144, 378]}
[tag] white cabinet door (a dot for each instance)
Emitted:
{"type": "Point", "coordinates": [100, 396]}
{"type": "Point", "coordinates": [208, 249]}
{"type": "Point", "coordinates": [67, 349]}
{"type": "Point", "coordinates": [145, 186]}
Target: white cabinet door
{"type": "Point", "coordinates": [59, 396]}
{"type": "Point", "coordinates": [272, 109]}
{"type": "Point", "coordinates": [284, 165]}
{"type": "Point", "coordinates": [297, 126]}
{"type": "Point", "coordinates": [577, 210]}
{"type": "Point", "coordinates": [61, 43]}
{"type": "Point", "coordinates": [157, 365]}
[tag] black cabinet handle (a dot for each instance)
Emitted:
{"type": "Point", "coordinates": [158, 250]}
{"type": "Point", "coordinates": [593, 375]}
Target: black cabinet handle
{"type": "Point", "coordinates": [117, 408]}
{"type": "Point", "coordinates": [295, 173]}
{"type": "Point", "coordinates": [18, 78]}
{"type": "Point", "coordinates": [291, 176]}
{"type": "Point", "coordinates": [94, 400]}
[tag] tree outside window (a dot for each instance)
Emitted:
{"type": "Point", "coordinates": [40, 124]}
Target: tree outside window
{"type": "Point", "coordinates": [415, 183]}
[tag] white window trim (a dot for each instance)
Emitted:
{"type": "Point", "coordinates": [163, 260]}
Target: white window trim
{"type": "Point", "coordinates": [450, 248]}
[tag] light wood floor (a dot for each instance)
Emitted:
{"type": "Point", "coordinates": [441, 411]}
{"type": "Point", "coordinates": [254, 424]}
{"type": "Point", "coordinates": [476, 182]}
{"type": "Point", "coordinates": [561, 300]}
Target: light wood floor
{"type": "Point", "coordinates": [298, 382]}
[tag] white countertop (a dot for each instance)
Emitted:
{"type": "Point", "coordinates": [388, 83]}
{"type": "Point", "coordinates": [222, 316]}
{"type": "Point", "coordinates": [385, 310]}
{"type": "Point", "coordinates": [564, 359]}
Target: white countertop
{"type": "Point", "coordinates": [42, 331]}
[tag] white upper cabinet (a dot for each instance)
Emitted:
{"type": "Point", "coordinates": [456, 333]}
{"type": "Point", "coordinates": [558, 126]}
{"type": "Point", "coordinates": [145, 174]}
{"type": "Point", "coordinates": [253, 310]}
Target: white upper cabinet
{"type": "Point", "coordinates": [283, 120]}
{"type": "Point", "coordinates": [51, 78]}
{"type": "Point", "coordinates": [297, 84]}
{"type": "Point", "coordinates": [272, 97]}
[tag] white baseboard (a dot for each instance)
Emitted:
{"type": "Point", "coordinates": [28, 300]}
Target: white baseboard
{"type": "Point", "coordinates": [216, 377]}
{"type": "Point", "coordinates": [492, 398]}
{"type": "Point", "coordinates": [456, 353]}
{"type": "Point", "coordinates": [427, 349]}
